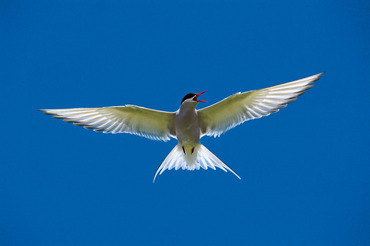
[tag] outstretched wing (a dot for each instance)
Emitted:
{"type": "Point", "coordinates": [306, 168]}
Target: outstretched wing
{"type": "Point", "coordinates": [240, 107]}
{"type": "Point", "coordinates": [153, 124]}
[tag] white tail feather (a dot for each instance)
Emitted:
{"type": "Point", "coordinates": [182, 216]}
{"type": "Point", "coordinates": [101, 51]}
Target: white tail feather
{"type": "Point", "coordinates": [200, 158]}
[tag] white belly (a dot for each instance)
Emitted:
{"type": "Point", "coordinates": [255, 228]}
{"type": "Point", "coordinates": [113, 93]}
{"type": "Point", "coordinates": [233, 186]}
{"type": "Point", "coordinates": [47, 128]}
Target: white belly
{"type": "Point", "coordinates": [187, 127]}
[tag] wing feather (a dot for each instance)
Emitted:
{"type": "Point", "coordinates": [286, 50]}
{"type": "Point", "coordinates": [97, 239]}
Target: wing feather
{"type": "Point", "coordinates": [240, 107]}
{"type": "Point", "coordinates": [153, 124]}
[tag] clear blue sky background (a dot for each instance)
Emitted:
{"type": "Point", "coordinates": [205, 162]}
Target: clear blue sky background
{"type": "Point", "coordinates": [305, 170]}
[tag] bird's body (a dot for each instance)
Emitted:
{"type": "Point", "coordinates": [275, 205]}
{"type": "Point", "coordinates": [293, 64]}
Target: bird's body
{"type": "Point", "coordinates": [188, 124]}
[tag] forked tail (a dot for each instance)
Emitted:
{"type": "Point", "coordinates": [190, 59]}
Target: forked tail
{"type": "Point", "coordinates": [198, 157]}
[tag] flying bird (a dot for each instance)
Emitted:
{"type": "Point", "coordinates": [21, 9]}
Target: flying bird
{"type": "Point", "coordinates": [188, 125]}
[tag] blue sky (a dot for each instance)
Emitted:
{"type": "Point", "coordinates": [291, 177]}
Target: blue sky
{"type": "Point", "coordinates": [305, 170]}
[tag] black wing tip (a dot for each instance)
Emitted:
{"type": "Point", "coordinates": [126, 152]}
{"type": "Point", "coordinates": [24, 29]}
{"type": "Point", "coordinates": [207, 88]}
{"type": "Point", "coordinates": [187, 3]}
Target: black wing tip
{"type": "Point", "coordinates": [46, 111]}
{"type": "Point", "coordinates": [318, 76]}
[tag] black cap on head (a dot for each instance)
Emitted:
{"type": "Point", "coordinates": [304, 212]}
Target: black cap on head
{"type": "Point", "coordinates": [190, 95]}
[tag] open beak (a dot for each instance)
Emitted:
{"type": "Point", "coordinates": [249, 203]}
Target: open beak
{"type": "Point", "coordinates": [199, 95]}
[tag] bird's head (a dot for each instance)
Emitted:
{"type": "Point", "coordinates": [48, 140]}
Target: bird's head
{"type": "Point", "coordinates": [192, 99]}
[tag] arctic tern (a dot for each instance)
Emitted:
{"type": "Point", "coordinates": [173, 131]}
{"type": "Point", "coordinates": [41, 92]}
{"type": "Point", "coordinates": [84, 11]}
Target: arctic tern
{"type": "Point", "coordinates": [188, 125]}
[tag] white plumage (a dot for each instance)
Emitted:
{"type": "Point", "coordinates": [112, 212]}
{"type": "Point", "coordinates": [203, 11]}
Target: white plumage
{"type": "Point", "coordinates": [187, 124]}
{"type": "Point", "coordinates": [240, 107]}
{"type": "Point", "coordinates": [149, 123]}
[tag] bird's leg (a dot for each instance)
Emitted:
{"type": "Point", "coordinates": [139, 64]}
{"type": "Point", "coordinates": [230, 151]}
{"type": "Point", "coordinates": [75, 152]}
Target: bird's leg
{"type": "Point", "coordinates": [188, 149]}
